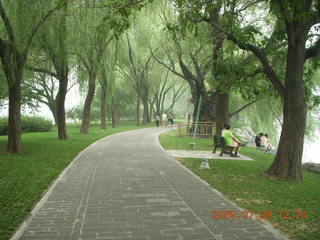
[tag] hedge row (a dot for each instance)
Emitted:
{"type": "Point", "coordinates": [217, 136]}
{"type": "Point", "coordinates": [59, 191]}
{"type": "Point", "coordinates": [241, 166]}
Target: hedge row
{"type": "Point", "coordinates": [28, 124]}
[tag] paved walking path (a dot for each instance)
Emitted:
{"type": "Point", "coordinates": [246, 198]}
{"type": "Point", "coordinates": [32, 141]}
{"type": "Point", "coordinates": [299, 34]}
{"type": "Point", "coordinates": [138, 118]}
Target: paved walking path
{"type": "Point", "coordinates": [126, 187]}
{"type": "Point", "coordinates": [205, 154]}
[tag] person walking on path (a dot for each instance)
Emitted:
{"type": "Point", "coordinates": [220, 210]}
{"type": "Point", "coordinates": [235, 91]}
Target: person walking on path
{"type": "Point", "coordinates": [170, 120]}
{"type": "Point", "coordinates": [164, 119]}
{"type": "Point", "coordinates": [157, 120]}
{"type": "Point", "coordinates": [231, 140]}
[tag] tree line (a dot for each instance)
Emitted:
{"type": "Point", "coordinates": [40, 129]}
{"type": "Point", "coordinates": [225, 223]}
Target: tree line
{"type": "Point", "coordinates": [158, 52]}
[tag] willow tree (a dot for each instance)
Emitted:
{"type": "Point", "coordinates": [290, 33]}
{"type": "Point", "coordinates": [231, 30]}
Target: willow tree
{"type": "Point", "coordinates": [101, 21]}
{"type": "Point", "coordinates": [201, 56]}
{"type": "Point", "coordinates": [52, 45]}
{"type": "Point", "coordinates": [296, 19]}
{"type": "Point", "coordinates": [93, 39]}
{"type": "Point", "coordinates": [20, 23]}
{"type": "Point", "coordinates": [107, 82]}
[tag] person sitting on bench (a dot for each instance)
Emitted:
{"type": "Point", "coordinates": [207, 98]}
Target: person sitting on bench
{"type": "Point", "coordinates": [258, 140]}
{"type": "Point", "coordinates": [231, 140]}
{"type": "Point", "coordinates": [266, 143]}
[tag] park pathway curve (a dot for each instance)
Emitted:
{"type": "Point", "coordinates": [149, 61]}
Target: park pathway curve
{"type": "Point", "coordinates": [125, 186]}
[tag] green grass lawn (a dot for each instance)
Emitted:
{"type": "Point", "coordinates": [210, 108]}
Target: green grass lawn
{"type": "Point", "coordinates": [244, 183]}
{"type": "Point", "coordinates": [24, 178]}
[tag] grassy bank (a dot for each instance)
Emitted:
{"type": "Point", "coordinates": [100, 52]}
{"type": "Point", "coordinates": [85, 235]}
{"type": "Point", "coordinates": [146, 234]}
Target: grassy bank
{"type": "Point", "coordinates": [24, 178]}
{"type": "Point", "coordinates": [244, 183]}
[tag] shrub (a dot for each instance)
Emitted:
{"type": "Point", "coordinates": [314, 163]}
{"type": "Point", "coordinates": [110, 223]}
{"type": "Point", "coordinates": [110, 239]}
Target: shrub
{"type": "Point", "coordinates": [28, 124]}
{"type": "Point", "coordinates": [3, 126]}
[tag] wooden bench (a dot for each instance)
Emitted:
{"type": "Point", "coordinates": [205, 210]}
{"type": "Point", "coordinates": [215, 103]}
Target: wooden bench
{"type": "Point", "coordinates": [220, 142]}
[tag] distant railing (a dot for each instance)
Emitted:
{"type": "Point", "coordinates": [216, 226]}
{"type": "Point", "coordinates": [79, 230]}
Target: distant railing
{"type": "Point", "coordinates": [204, 129]}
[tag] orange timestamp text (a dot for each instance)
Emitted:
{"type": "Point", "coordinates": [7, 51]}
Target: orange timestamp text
{"type": "Point", "coordinates": [264, 214]}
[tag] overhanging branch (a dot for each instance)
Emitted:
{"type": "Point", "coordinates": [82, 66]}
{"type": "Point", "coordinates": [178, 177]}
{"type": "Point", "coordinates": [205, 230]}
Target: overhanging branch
{"type": "Point", "coordinates": [244, 107]}
{"type": "Point", "coordinates": [41, 70]}
{"type": "Point", "coordinates": [261, 55]}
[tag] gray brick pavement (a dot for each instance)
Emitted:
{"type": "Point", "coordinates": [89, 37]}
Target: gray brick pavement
{"type": "Point", "coordinates": [126, 187]}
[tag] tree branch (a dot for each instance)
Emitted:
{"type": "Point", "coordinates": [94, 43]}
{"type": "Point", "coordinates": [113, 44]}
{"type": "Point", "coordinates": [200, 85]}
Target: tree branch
{"type": "Point", "coordinates": [196, 66]}
{"type": "Point", "coordinates": [131, 57]}
{"type": "Point", "coordinates": [7, 24]}
{"type": "Point", "coordinates": [243, 107]}
{"type": "Point", "coordinates": [261, 55]}
{"type": "Point", "coordinates": [249, 5]}
{"type": "Point", "coordinates": [41, 70]}
{"type": "Point", "coordinates": [36, 28]}
{"type": "Point", "coordinates": [165, 65]}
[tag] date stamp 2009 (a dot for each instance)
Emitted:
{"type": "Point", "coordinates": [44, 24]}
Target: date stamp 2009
{"type": "Point", "coordinates": [264, 214]}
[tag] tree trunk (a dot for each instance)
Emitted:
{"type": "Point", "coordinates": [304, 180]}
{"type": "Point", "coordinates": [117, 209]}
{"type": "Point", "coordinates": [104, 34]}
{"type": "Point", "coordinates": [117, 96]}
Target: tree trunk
{"type": "Point", "coordinates": [158, 108]}
{"type": "Point", "coordinates": [114, 113]}
{"type": "Point", "coordinates": [287, 163]}
{"type": "Point", "coordinates": [103, 106]}
{"type": "Point", "coordinates": [138, 111]}
{"type": "Point", "coordinates": [14, 124]}
{"type": "Point", "coordinates": [60, 107]}
{"type": "Point", "coordinates": [222, 115]}
{"type": "Point", "coordinates": [151, 112]}
{"type": "Point", "coordinates": [146, 119]}
{"type": "Point", "coordinates": [87, 104]}
{"type": "Point", "coordinates": [207, 107]}
{"type": "Point", "coordinates": [12, 66]}
{"type": "Point", "coordinates": [53, 110]}
{"type": "Point", "coordinates": [61, 66]}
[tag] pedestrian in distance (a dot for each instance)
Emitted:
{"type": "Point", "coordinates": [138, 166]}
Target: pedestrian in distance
{"type": "Point", "coordinates": [157, 120]}
{"type": "Point", "coordinates": [170, 119]}
{"type": "Point", "coordinates": [164, 119]}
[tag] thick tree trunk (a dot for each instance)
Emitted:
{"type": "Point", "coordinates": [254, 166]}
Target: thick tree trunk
{"type": "Point", "coordinates": [138, 111]}
{"type": "Point", "coordinates": [287, 164]}
{"type": "Point", "coordinates": [207, 107]}
{"type": "Point", "coordinates": [87, 105]}
{"type": "Point", "coordinates": [12, 66]}
{"type": "Point", "coordinates": [60, 106]}
{"type": "Point", "coordinates": [222, 114]}
{"type": "Point", "coordinates": [103, 108]}
{"type": "Point", "coordinates": [61, 65]}
{"type": "Point", "coordinates": [14, 124]}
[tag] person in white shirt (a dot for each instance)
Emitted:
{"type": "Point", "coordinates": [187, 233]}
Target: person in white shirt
{"type": "Point", "coordinates": [164, 120]}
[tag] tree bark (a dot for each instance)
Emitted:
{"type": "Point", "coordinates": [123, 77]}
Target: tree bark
{"type": "Point", "coordinates": [12, 64]}
{"type": "Point", "coordinates": [61, 66]}
{"type": "Point", "coordinates": [138, 111]}
{"type": "Point", "coordinates": [87, 105]}
{"type": "Point", "coordinates": [146, 119]}
{"type": "Point", "coordinates": [114, 112]}
{"type": "Point", "coordinates": [103, 106]}
{"type": "Point", "coordinates": [14, 124]}
{"type": "Point", "coordinates": [151, 111]}
{"type": "Point", "coordinates": [287, 163]}
{"type": "Point", "coordinates": [53, 110]}
{"type": "Point", "coordinates": [222, 115]}
{"type": "Point", "coordinates": [207, 107]}
{"type": "Point", "coordinates": [60, 107]}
